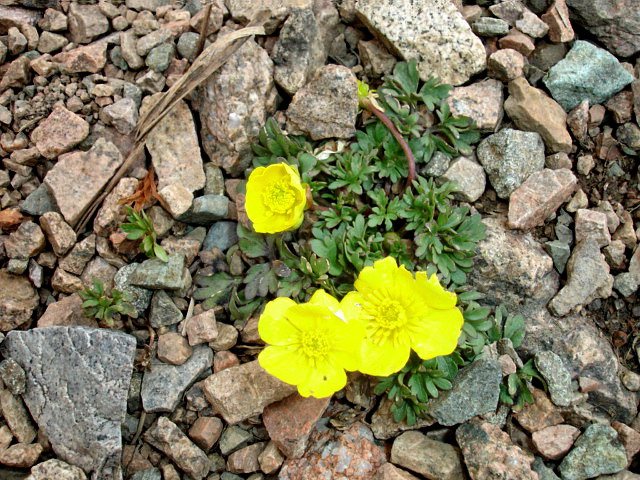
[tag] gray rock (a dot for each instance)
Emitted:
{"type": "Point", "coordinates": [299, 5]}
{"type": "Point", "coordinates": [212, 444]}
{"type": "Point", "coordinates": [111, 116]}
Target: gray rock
{"type": "Point", "coordinates": [615, 23]}
{"type": "Point", "coordinates": [475, 392]}
{"type": "Point", "coordinates": [13, 376]}
{"type": "Point", "coordinates": [626, 283]}
{"type": "Point", "coordinates": [77, 382]}
{"type": "Point", "coordinates": [164, 385]}
{"type": "Point", "coordinates": [544, 472]}
{"type": "Point", "coordinates": [557, 376]}
{"type": "Point", "coordinates": [469, 176]}
{"type": "Point", "coordinates": [327, 106]}
{"type": "Point", "coordinates": [559, 252]}
{"type": "Point", "coordinates": [163, 311]}
{"type": "Point", "coordinates": [437, 165]}
{"type": "Point", "coordinates": [509, 157]}
{"type": "Point", "coordinates": [629, 134]}
{"type": "Point", "coordinates": [39, 202]}
{"type": "Point", "coordinates": [148, 474]}
{"type": "Point", "coordinates": [167, 437]}
{"type": "Point", "coordinates": [512, 269]}
{"type": "Point", "coordinates": [586, 73]}
{"type": "Point", "coordinates": [123, 115]}
{"type": "Point", "coordinates": [481, 101]}
{"type": "Point", "coordinates": [140, 297]}
{"type": "Point", "coordinates": [56, 469]}
{"type": "Point", "coordinates": [233, 439]}
{"type": "Point", "coordinates": [299, 50]}
{"type": "Point", "coordinates": [434, 33]}
{"type": "Point", "coordinates": [597, 451]}
{"type": "Point", "coordinates": [233, 105]}
{"type": "Point", "coordinates": [587, 279]}
{"type": "Point", "coordinates": [214, 184]}
{"type": "Point", "coordinates": [221, 235]}
{"type": "Point", "coordinates": [18, 299]}
{"type": "Point", "coordinates": [159, 58]}
{"type": "Point", "coordinates": [150, 5]}
{"type": "Point", "coordinates": [490, 27]}
{"type": "Point", "coordinates": [188, 45]}
{"type": "Point", "coordinates": [206, 209]}
{"type": "Point", "coordinates": [157, 275]}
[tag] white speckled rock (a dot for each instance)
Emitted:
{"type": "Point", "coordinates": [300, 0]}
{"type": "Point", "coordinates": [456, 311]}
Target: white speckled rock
{"type": "Point", "coordinates": [433, 32]}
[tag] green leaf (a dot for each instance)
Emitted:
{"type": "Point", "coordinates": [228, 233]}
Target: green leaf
{"type": "Point", "coordinates": [252, 244]}
{"type": "Point", "coordinates": [160, 252]}
{"type": "Point", "coordinates": [514, 330]}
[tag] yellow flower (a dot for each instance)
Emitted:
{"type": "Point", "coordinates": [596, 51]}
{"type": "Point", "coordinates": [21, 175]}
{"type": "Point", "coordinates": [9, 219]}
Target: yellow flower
{"type": "Point", "coordinates": [276, 198]}
{"type": "Point", "coordinates": [309, 345]}
{"type": "Point", "coordinates": [400, 313]}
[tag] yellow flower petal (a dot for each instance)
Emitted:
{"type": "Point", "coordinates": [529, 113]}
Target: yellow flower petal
{"type": "Point", "coordinates": [383, 359]}
{"type": "Point", "coordinates": [323, 381]}
{"type": "Point", "coordinates": [274, 326]}
{"type": "Point", "coordinates": [439, 334]}
{"type": "Point", "coordinates": [382, 273]}
{"type": "Point", "coordinates": [434, 293]}
{"type": "Point", "coordinates": [284, 362]}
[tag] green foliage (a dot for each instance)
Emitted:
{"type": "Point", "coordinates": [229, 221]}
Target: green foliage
{"type": "Point", "coordinates": [507, 326]}
{"type": "Point", "coordinates": [515, 391]}
{"type": "Point", "coordinates": [412, 387]}
{"type": "Point", "coordinates": [99, 305]}
{"type": "Point", "coordinates": [140, 227]}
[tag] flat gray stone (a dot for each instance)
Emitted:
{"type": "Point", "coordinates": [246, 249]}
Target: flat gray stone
{"type": "Point", "coordinates": [156, 274]}
{"type": "Point", "coordinates": [558, 378]}
{"type": "Point", "coordinates": [475, 392]}
{"type": "Point", "coordinates": [207, 209]}
{"type": "Point", "coordinates": [39, 202]}
{"type": "Point", "coordinates": [163, 311]}
{"type": "Point", "coordinates": [221, 235]}
{"type": "Point", "coordinates": [77, 383]}
{"type": "Point", "coordinates": [164, 384]}
{"type": "Point", "coordinates": [140, 297]}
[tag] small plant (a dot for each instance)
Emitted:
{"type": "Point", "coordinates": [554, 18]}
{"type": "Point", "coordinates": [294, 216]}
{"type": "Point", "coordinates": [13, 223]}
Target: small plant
{"type": "Point", "coordinates": [97, 304]}
{"type": "Point", "coordinates": [140, 227]}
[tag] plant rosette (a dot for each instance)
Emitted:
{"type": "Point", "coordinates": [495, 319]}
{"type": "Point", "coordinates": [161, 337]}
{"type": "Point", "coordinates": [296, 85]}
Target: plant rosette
{"type": "Point", "coordinates": [400, 313]}
{"type": "Point", "coordinates": [309, 345]}
{"type": "Point", "coordinates": [276, 198]}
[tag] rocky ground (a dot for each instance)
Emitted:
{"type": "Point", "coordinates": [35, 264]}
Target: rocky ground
{"type": "Point", "coordinates": [555, 91]}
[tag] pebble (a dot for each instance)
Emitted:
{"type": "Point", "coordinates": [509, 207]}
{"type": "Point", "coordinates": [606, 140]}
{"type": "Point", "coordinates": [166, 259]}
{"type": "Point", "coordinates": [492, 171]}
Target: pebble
{"type": "Point", "coordinates": [206, 431]}
{"type": "Point", "coordinates": [202, 328]}
{"type": "Point", "coordinates": [558, 378]}
{"type": "Point", "coordinates": [431, 458]}
{"type": "Point", "coordinates": [506, 65]}
{"type": "Point", "coordinates": [245, 460]}
{"type": "Point", "coordinates": [173, 348]}
{"type": "Point", "coordinates": [481, 101]}
{"type": "Point", "coordinates": [592, 224]}
{"type": "Point", "coordinates": [469, 176]}
{"type": "Point", "coordinates": [233, 439]}
{"type": "Point", "coordinates": [555, 441]}
{"type": "Point", "coordinates": [490, 27]}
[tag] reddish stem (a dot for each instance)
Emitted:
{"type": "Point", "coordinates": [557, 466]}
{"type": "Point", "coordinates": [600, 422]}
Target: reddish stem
{"type": "Point", "coordinates": [411, 164]}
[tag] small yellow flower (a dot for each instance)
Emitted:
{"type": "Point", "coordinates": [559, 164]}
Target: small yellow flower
{"type": "Point", "coordinates": [309, 345]}
{"type": "Point", "coordinates": [276, 198]}
{"type": "Point", "coordinates": [400, 313]}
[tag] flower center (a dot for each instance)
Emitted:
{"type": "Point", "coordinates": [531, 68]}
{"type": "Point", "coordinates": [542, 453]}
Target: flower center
{"type": "Point", "coordinates": [387, 319]}
{"type": "Point", "coordinates": [280, 197]}
{"type": "Point", "coordinates": [314, 344]}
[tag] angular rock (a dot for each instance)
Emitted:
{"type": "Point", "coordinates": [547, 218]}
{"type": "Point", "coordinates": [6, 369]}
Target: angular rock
{"type": "Point", "coordinates": [221, 235]}
{"type": "Point", "coordinates": [177, 198]}
{"type": "Point", "coordinates": [238, 393]}
{"type": "Point", "coordinates": [233, 105]}
{"type": "Point", "coordinates": [475, 392]}
{"type": "Point", "coordinates": [123, 115]}
{"type": "Point", "coordinates": [66, 312]}
{"type": "Point", "coordinates": [21, 455]}
{"type": "Point", "coordinates": [488, 450]}
{"type": "Point", "coordinates": [558, 20]}
{"type": "Point", "coordinates": [39, 202]}
{"type": "Point", "coordinates": [12, 376]}
{"type": "Point", "coordinates": [539, 196]}
{"type": "Point", "coordinates": [327, 106]}
{"type": "Point", "coordinates": [76, 260]}
{"type": "Point", "coordinates": [16, 416]}
{"type": "Point", "coordinates": [59, 132]}
{"type": "Point", "coordinates": [206, 209]}
{"type": "Point", "coordinates": [202, 328]}
{"type": "Point", "coordinates": [233, 439]}
{"type": "Point", "coordinates": [78, 177]}
{"type": "Point", "coordinates": [531, 25]}
{"type": "Point", "coordinates": [51, 42]}
{"type": "Point", "coordinates": [86, 22]}
{"type": "Point", "coordinates": [156, 274]}
{"type": "Point", "coordinates": [27, 241]}
{"type": "Point", "coordinates": [206, 431]}
{"type": "Point", "coordinates": [18, 299]}
{"type": "Point", "coordinates": [518, 41]}
{"type": "Point", "coordinates": [597, 451]}
{"type": "Point", "coordinates": [554, 442]}
{"type": "Point", "coordinates": [512, 269]}
{"type": "Point", "coordinates": [167, 437]}
{"type": "Point", "coordinates": [509, 157]}
{"type": "Point", "coordinates": [481, 101]}
{"type": "Point", "coordinates": [532, 110]}
{"type": "Point", "coordinates": [299, 50]}
{"type": "Point", "coordinates": [376, 59]}
{"type": "Point", "coordinates": [164, 385]}
{"type": "Point", "coordinates": [430, 458]}
{"type": "Point", "coordinates": [111, 214]}
{"type": "Point", "coordinates": [245, 10]}
{"type": "Point", "coordinates": [434, 33]}
{"type": "Point", "coordinates": [140, 297]}
{"type": "Point", "coordinates": [385, 427]}
{"type": "Point", "coordinates": [469, 176]}
{"type": "Point", "coordinates": [245, 460]}
{"type": "Point", "coordinates": [18, 74]}
{"type": "Point", "coordinates": [60, 235]}
{"type": "Point", "coordinates": [557, 377]}
{"type": "Point", "coordinates": [129, 52]}
{"type": "Point", "coordinates": [615, 23]}
{"type": "Point", "coordinates": [490, 27]}
{"type": "Point", "coordinates": [173, 145]}
{"type": "Point", "coordinates": [57, 469]}
{"type": "Point", "coordinates": [540, 414]}
{"type": "Point", "coordinates": [163, 311]}
{"type": "Point", "coordinates": [586, 73]}
{"type": "Point", "coordinates": [390, 472]}
{"type": "Point", "coordinates": [506, 64]}
{"type": "Point", "coordinates": [592, 224]}
{"type": "Point", "coordinates": [173, 348]}
{"type": "Point", "coordinates": [77, 382]}
{"type": "Point", "coordinates": [270, 459]}
{"type": "Point", "coordinates": [15, 16]}
{"type": "Point", "coordinates": [290, 421]}
{"type": "Point", "coordinates": [348, 455]}
{"type": "Point", "coordinates": [587, 279]}
{"type": "Point", "coordinates": [89, 58]}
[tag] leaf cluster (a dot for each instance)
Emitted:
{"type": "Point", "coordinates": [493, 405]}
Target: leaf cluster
{"type": "Point", "coordinates": [141, 228]}
{"type": "Point", "coordinates": [97, 304]}
{"type": "Point", "coordinates": [412, 387]}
